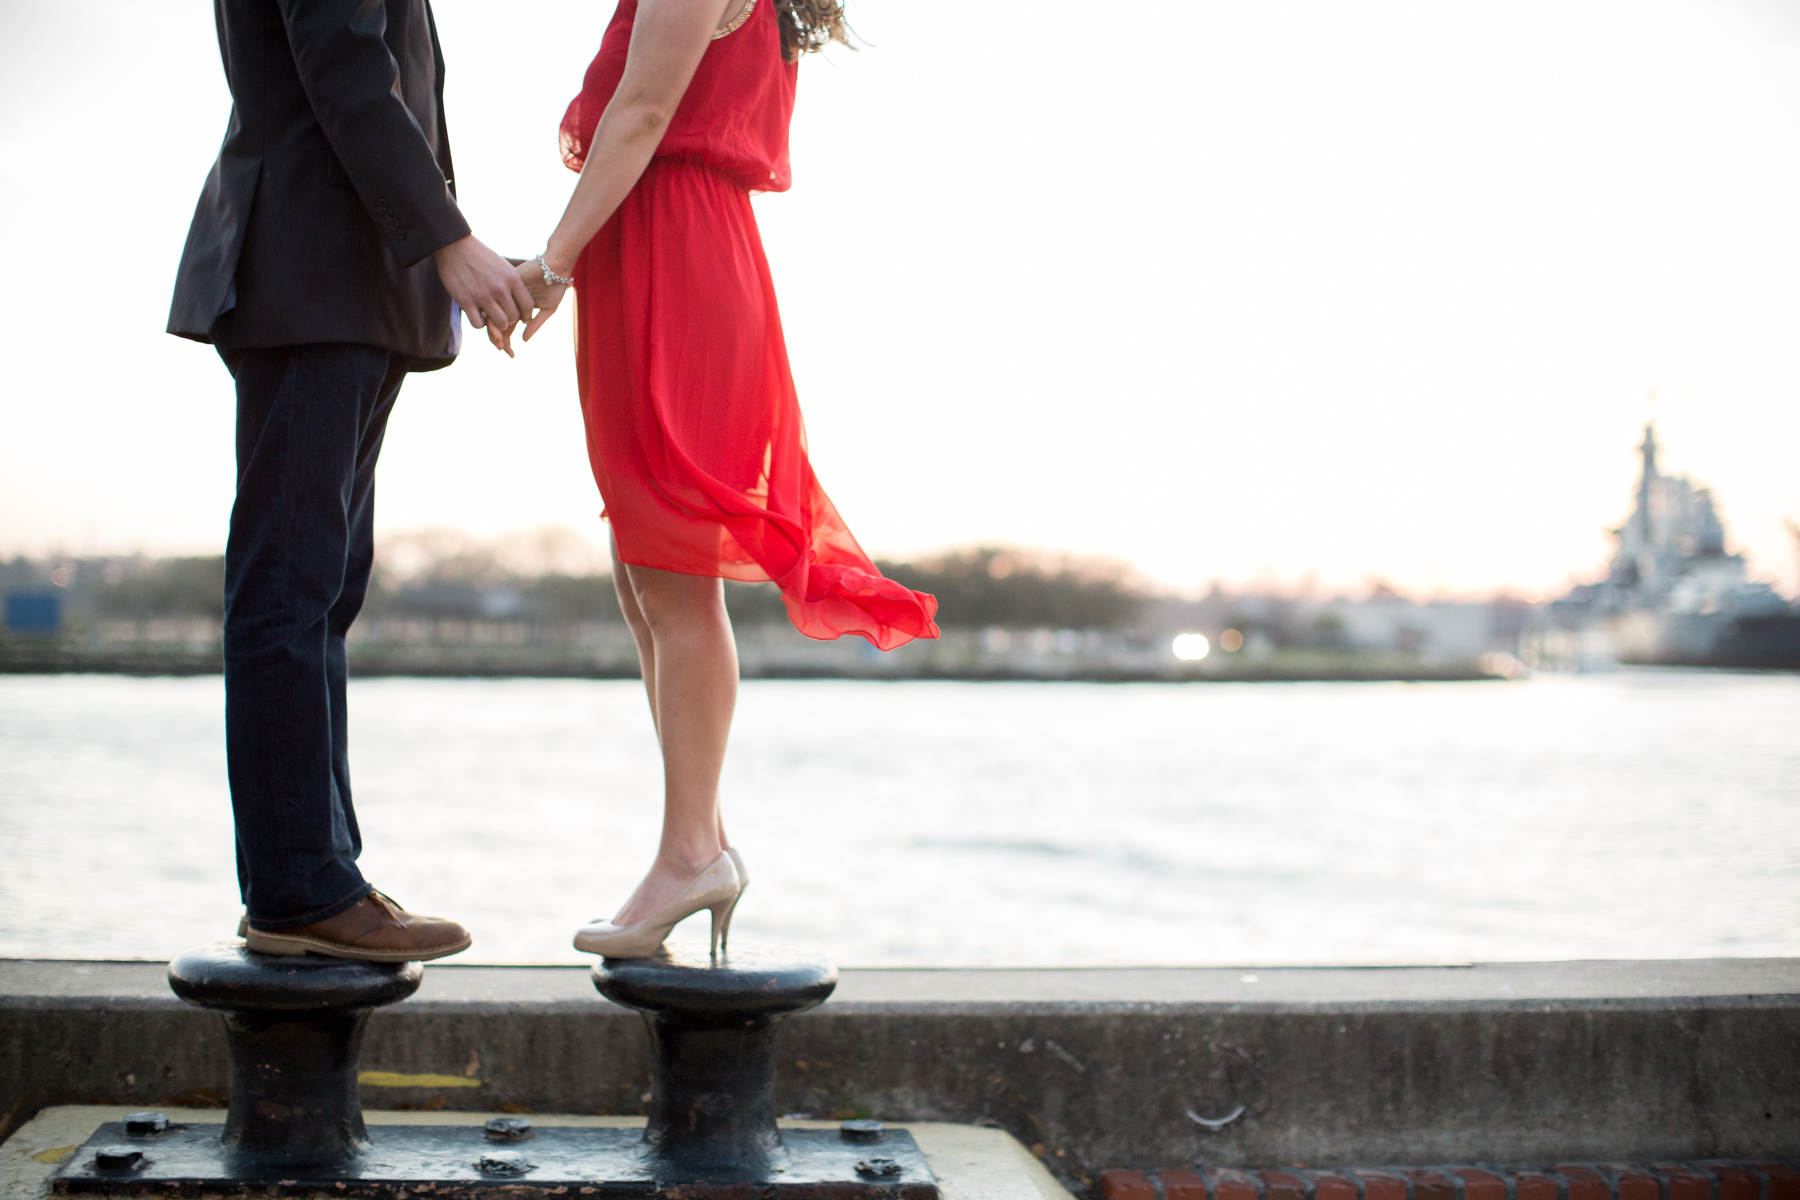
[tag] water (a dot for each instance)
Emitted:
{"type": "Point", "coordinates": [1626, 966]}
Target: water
{"type": "Point", "coordinates": [1643, 814]}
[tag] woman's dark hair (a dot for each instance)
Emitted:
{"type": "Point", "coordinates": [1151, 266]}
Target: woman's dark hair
{"type": "Point", "coordinates": [808, 25]}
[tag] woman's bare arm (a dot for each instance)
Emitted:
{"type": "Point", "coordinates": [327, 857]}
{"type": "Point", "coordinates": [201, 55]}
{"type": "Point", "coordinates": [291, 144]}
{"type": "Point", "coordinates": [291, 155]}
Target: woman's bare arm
{"type": "Point", "coordinates": [668, 38]}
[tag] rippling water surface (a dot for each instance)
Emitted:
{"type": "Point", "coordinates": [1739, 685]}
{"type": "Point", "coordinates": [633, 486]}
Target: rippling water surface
{"type": "Point", "coordinates": [1643, 814]}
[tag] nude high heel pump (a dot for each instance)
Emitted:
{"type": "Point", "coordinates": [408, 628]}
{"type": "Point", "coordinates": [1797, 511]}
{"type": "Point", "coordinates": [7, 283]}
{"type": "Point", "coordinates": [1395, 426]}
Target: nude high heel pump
{"type": "Point", "coordinates": [715, 888]}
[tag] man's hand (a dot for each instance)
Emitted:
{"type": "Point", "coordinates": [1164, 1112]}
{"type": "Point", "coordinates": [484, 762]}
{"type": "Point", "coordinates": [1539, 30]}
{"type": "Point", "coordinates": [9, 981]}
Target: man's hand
{"type": "Point", "coordinates": [545, 296]}
{"type": "Point", "coordinates": [486, 287]}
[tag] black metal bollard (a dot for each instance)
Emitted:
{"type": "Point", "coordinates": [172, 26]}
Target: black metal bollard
{"type": "Point", "coordinates": [712, 1031]}
{"type": "Point", "coordinates": [295, 1028]}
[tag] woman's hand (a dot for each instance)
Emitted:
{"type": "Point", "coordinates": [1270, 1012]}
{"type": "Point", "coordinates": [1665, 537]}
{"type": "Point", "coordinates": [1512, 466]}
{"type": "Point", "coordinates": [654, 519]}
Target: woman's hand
{"type": "Point", "coordinates": [545, 296]}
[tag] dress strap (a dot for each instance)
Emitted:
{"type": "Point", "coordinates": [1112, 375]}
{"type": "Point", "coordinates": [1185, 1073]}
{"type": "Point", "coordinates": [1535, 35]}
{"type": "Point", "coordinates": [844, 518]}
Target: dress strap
{"type": "Point", "coordinates": [736, 23]}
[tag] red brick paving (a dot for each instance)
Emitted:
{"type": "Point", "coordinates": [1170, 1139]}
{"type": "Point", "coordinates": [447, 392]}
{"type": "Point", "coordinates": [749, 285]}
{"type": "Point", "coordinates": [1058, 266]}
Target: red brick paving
{"type": "Point", "coordinates": [1328, 1185]}
{"type": "Point", "coordinates": [1182, 1185]}
{"type": "Point", "coordinates": [1479, 1185]}
{"type": "Point", "coordinates": [1567, 1181]}
{"type": "Point", "coordinates": [1735, 1182]}
{"type": "Point", "coordinates": [1784, 1181]}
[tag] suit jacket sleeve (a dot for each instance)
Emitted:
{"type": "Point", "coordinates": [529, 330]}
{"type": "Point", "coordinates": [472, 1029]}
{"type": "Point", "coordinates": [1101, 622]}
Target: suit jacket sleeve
{"type": "Point", "coordinates": [352, 82]}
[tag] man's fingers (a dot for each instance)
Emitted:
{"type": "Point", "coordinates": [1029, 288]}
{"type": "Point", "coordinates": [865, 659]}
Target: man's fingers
{"type": "Point", "coordinates": [511, 296]}
{"type": "Point", "coordinates": [502, 306]}
{"type": "Point", "coordinates": [492, 295]}
{"type": "Point", "coordinates": [502, 309]}
{"type": "Point", "coordinates": [521, 295]}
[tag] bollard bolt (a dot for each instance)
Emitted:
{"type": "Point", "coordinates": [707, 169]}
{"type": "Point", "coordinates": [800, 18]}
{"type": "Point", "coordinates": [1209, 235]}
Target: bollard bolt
{"type": "Point", "coordinates": [118, 1158]}
{"type": "Point", "coordinates": [878, 1167]}
{"type": "Point", "coordinates": [502, 1162]}
{"type": "Point", "coordinates": [144, 1124]}
{"type": "Point", "coordinates": [508, 1129]}
{"type": "Point", "coordinates": [861, 1131]}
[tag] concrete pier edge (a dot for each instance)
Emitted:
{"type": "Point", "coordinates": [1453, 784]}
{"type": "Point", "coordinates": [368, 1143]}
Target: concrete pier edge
{"type": "Point", "coordinates": [1602, 1061]}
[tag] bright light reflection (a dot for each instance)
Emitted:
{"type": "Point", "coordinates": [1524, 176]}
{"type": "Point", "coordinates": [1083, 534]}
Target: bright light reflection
{"type": "Point", "coordinates": [1190, 647]}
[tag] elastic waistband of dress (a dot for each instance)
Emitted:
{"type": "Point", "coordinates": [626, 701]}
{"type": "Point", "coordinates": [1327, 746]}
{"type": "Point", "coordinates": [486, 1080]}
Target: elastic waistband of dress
{"type": "Point", "coordinates": [694, 162]}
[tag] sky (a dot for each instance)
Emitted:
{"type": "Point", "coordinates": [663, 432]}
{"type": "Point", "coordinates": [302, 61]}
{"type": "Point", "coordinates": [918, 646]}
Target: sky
{"type": "Point", "coordinates": [1258, 290]}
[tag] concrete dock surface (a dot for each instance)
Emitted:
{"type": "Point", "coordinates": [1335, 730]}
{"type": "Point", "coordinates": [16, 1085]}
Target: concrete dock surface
{"type": "Point", "coordinates": [1244, 1066]}
{"type": "Point", "coordinates": [1249, 984]}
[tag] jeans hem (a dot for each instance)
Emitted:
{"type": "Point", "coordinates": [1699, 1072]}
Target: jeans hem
{"type": "Point", "coordinates": [323, 913]}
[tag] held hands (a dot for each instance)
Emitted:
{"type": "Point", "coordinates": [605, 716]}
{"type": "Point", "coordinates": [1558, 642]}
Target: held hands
{"type": "Point", "coordinates": [486, 288]}
{"type": "Point", "coordinates": [545, 296]}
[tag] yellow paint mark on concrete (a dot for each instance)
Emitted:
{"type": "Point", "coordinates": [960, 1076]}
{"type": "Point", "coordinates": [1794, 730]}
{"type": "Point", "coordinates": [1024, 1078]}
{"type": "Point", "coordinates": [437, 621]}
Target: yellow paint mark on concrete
{"type": "Point", "coordinates": [57, 1155]}
{"type": "Point", "coordinates": [393, 1079]}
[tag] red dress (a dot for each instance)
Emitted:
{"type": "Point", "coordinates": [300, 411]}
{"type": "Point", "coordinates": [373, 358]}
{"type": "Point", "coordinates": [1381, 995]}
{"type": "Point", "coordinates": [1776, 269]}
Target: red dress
{"type": "Point", "coordinates": [693, 426]}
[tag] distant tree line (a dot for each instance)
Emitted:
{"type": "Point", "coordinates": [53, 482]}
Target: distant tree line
{"type": "Point", "coordinates": [165, 587]}
{"type": "Point", "coordinates": [1023, 589]}
{"type": "Point", "coordinates": [988, 586]}
{"type": "Point", "coordinates": [552, 597]}
{"type": "Point", "coordinates": [976, 588]}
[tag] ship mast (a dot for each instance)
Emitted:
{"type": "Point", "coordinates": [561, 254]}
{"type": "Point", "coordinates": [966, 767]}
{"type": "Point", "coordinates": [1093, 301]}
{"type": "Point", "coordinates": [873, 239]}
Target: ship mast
{"type": "Point", "coordinates": [1646, 497]}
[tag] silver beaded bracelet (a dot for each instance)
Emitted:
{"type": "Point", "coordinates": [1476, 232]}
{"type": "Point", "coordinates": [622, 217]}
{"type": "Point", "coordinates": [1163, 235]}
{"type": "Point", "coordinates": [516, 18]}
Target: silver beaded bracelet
{"type": "Point", "coordinates": [552, 276]}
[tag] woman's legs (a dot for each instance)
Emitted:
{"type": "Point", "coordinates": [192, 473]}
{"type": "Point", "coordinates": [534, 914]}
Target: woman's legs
{"type": "Point", "coordinates": [640, 632]}
{"type": "Point", "coordinates": [690, 675]}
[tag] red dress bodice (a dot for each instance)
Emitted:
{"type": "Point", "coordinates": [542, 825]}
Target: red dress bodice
{"type": "Point", "coordinates": [734, 116]}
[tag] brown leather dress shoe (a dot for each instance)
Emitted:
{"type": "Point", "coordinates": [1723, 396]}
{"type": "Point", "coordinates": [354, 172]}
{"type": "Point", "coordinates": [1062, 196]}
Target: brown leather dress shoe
{"type": "Point", "coordinates": [374, 929]}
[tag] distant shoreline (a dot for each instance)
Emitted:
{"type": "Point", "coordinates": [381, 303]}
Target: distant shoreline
{"type": "Point", "coordinates": [52, 662]}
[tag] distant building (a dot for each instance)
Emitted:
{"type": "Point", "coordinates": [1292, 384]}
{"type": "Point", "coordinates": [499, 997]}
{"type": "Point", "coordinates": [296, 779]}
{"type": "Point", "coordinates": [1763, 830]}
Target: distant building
{"type": "Point", "coordinates": [1437, 631]}
{"type": "Point", "coordinates": [33, 613]}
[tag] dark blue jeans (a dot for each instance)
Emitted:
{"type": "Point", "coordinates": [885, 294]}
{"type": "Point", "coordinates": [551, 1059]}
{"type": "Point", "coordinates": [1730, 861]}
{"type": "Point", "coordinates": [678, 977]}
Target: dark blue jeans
{"type": "Point", "coordinates": [310, 420]}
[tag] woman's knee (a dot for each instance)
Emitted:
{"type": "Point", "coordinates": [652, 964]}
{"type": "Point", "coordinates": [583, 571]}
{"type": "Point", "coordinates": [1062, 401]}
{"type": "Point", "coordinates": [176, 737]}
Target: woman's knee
{"type": "Point", "coordinates": [628, 603]}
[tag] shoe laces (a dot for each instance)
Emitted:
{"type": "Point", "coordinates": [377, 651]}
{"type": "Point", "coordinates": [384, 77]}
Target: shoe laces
{"type": "Point", "coordinates": [387, 902]}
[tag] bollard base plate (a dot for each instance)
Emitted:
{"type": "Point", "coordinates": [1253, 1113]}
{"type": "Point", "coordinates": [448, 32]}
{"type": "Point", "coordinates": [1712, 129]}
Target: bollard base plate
{"type": "Point", "coordinates": [442, 1162]}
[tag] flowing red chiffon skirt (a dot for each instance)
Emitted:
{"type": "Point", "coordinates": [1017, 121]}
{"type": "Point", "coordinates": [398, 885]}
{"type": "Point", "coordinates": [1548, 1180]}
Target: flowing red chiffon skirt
{"type": "Point", "coordinates": [693, 425]}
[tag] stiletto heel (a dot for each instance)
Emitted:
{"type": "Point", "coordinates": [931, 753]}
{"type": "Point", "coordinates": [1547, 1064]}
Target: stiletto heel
{"type": "Point", "coordinates": [722, 925]}
{"type": "Point", "coordinates": [714, 888]}
{"type": "Point", "coordinates": [737, 860]}
{"type": "Point", "coordinates": [721, 922]}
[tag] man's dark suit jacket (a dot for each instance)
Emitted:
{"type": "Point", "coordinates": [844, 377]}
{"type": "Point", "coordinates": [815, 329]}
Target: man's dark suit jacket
{"type": "Point", "coordinates": [333, 186]}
